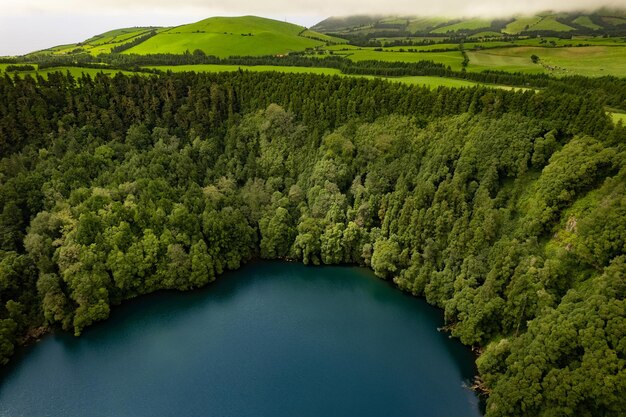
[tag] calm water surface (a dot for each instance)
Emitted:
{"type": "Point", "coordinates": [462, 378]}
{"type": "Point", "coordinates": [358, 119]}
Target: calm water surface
{"type": "Point", "coordinates": [272, 339]}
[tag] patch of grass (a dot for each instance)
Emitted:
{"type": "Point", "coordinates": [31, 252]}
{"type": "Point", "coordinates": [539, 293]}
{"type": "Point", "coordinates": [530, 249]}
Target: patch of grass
{"type": "Point", "coordinates": [614, 20]}
{"type": "Point", "coordinates": [117, 36]}
{"type": "Point", "coordinates": [453, 59]}
{"type": "Point", "coordinates": [435, 82]}
{"type": "Point", "coordinates": [591, 61]}
{"type": "Point", "coordinates": [230, 36]}
{"type": "Point", "coordinates": [503, 59]}
{"type": "Point", "coordinates": [396, 21]}
{"type": "Point", "coordinates": [521, 24]}
{"type": "Point", "coordinates": [487, 34]}
{"type": "Point", "coordinates": [344, 47]}
{"type": "Point", "coordinates": [425, 48]}
{"type": "Point", "coordinates": [586, 22]}
{"type": "Point", "coordinates": [104, 42]}
{"type": "Point", "coordinates": [550, 23]}
{"type": "Point", "coordinates": [425, 24]}
{"type": "Point", "coordinates": [618, 117]}
{"type": "Point", "coordinates": [412, 39]}
{"type": "Point", "coordinates": [470, 24]}
{"type": "Point", "coordinates": [323, 37]}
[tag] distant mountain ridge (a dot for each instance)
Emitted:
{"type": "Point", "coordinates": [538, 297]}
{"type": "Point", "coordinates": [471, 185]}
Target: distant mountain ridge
{"type": "Point", "coordinates": [603, 21]}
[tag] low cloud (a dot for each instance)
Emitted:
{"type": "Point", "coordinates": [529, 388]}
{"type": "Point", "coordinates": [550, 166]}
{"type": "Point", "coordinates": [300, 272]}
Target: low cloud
{"type": "Point", "coordinates": [451, 8]}
{"type": "Point", "coordinates": [29, 25]}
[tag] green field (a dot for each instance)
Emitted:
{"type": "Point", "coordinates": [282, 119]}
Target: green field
{"type": "Point", "coordinates": [452, 59]}
{"type": "Point", "coordinates": [589, 61]}
{"type": "Point", "coordinates": [232, 36]}
{"type": "Point", "coordinates": [425, 48]}
{"type": "Point", "coordinates": [586, 22]}
{"type": "Point", "coordinates": [470, 24]}
{"type": "Point", "coordinates": [431, 82]}
{"type": "Point", "coordinates": [435, 39]}
{"type": "Point", "coordinates": [536, 23]}
{"type": "Point", "coordinates": [521, 24]}
{"type": "Point", "coordinates": [487, 34]}
{"type": "Point", "coordinates": [596, 60]}
{"type": "Point", "coordinates": [435, 82]}
{"type": "Point", "coordinates": [618, 117]}
{"type": "Point", "coordinates": [613, 20]}
{"type": "Point", "coordinates": [426, 23]}
{"type": "Point", "coordinates": [323, 37]}
{"type": "Point", "coordinates": [104, 42]}
{"type": "Point", "coordinates": [396, 21]}
{"type": "Point", "coordinates": [550, 23]}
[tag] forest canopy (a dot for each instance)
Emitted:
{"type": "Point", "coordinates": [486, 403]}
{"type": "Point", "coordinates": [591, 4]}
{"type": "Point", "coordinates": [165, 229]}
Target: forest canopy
{"type": "Point", "coordinates": [505, 209]}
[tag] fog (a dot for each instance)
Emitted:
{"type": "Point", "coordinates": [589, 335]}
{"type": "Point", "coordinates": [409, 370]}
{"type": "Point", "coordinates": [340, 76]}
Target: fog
{"type": "Point", "coordinates": [28, 25]}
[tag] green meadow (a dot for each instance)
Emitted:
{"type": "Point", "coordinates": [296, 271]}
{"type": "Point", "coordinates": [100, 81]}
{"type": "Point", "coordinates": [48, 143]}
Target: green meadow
{"type": "Point", "coordinates": [453, 59]}
{"type": "Point", "coordinates": [550, 23]}
{"type": "Point", "coordinates": [591, 61]}
{"type": "Point", "coordinates": [104, 42]}
{"type": "Point", "coordinates": [423, 24]}
{"type": "Point", "coordinates": [618, 117]}
{"type": "Point", "coordinates": [470, 24]}
{"type": "Point", "coordinates": [537, 23]}
{"type": "Point", "coordinates": [240, 36]}
{"type": "Point", "coordinates": [586, 22]}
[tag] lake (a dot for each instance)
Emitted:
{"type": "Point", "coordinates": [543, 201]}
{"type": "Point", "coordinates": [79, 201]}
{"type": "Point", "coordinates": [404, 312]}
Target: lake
{"type": "Point", "coordinates": [271, 339]}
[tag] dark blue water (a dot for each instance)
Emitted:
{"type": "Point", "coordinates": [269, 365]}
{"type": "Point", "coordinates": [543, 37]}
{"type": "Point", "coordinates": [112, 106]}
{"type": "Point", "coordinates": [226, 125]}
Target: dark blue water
{"type": "Point", "coordinates": [272, 339]}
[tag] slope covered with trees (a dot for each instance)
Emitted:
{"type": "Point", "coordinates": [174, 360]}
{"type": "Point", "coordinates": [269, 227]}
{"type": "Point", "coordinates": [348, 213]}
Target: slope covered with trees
{"type": "Point", "coordinates": [504, 209]}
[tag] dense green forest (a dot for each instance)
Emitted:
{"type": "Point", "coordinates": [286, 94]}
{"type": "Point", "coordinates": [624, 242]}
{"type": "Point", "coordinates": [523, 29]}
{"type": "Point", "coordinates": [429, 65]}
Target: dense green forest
{"type": "Point", "coordinates": [505, 209]}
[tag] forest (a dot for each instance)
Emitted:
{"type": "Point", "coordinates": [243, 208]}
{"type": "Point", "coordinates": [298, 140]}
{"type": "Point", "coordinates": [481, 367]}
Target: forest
{"type": "Point", "coordinates": [505, 209]}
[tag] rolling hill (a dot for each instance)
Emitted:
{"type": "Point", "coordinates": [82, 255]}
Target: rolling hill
{"type": "Point", "coordinates": [218, 36]}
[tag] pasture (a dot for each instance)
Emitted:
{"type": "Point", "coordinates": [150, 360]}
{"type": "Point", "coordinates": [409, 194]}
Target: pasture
{"type": "Point", "coordinates": [470, 24]}
{"type": "Point", "coordinates": [452, 59]}
{"type": "Point", "coordinates": [223, 37]}
{"type": "Point", "coordinates": [591, 61]}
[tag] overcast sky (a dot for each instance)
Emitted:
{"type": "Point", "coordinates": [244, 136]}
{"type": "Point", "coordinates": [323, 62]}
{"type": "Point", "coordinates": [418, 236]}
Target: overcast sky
{"type": "Point", "coordinates": [28, 25]}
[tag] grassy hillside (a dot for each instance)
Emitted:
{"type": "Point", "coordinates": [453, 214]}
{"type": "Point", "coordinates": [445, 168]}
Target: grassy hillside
{"type": "Point", "coordinates": [229, 36]}
{"type": "Point", "coordinates": [598, 21]}
{"type": "Point", "coordinates": [103, 42]}
{"type": "Point", "coordinates": [550, 23]}
{"type": "Point", "coordinates": [424, 24]}
{"type": "Point", "coordinates": [521, 24]}
{"type": "Point", "coordinates": [219, 36]}
{"type": "Point", "coordinates": [586, 22]}
{"type": "Point", "coordinates": [469, 24]}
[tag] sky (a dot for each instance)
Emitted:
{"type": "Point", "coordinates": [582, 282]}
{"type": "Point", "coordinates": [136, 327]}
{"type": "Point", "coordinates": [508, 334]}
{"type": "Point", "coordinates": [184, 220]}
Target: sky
{"type": "Point", "coordinates": [29, 25]}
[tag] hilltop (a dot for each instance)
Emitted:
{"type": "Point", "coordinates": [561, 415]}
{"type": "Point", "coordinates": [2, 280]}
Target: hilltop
{"type": "Point", "coordinates": [217, 36]}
